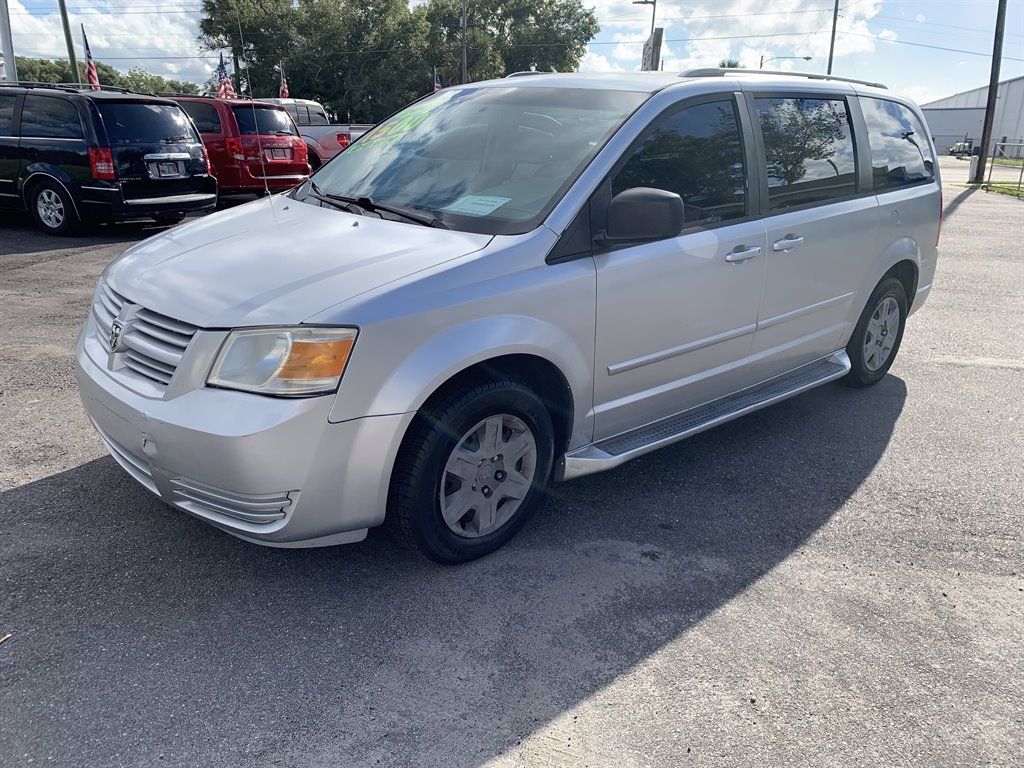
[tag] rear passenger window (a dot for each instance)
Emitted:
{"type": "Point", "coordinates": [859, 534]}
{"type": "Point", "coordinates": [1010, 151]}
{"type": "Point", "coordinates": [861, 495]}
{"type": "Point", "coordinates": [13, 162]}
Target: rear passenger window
{"type": "Point", "coordinates": [48, 117]}
{"type": "Point", "coordinates": [808, 146]}
{"type": "Point", "coordinates": [900, 154]}
{"type": "Point", "coordinates": [203, 115]}
{"type": "Point", "coordinates": [6, 113]}
{"type": "Point", "coordinates": [317, 116]}
{"type": "Point", "coordinates": [697, 153]}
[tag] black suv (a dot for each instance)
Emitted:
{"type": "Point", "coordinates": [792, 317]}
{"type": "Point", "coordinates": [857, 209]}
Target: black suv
{"type": "Point", "coordinates": [69, 155]}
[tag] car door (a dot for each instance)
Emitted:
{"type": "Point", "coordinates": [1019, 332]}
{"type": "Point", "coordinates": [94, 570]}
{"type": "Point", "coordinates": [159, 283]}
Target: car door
{"type": "Point", "coordinates": [53, 140]}
{"type": "Point", "coordinates": [9, 160]}
{"type": "Point", "coordinates": [211, 129]}
{"type": "Point", "coordinates": [675, 317]}
{"type": "Point", "coordinates": [821, 222]}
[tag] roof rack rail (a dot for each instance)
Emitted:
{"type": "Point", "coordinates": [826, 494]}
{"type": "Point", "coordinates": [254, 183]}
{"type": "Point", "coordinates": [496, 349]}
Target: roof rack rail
{"type": "Point", "coordinates": [722, 71]}
{"type": "Point", "coordinates": [525, 73]}
{"type": "Point", "coordinates": [68, 87]}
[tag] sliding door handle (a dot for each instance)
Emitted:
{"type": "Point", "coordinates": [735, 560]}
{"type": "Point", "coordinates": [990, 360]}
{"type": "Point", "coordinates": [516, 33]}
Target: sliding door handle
{"type": "Point", "coordinates": [742, 253]}
{"type": "Point", "coordinates": [788, 243]}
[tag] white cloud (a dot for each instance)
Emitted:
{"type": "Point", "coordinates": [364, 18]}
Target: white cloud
{"type": "Point", "coordinates": [119, 35]}
{"type": "Point", "coordinates": [920, 17]}
{"type": "Point", "coordinates": [593, 62]}
{"type": "Point", "coordinates": [701, 35]}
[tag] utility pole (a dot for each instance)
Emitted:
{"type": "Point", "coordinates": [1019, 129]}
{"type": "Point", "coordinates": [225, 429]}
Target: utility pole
{"type": "Point", "coordinates": [993, 92]}
{"type": "Point", "coordinates": [654, 9]}
{"type": "Point", "coordinates": [7, 44]}
{"type": "Point", "coordinates": [465, 73]}
{"type": "Point", "coordinates": [75, 76]}
{"type": "Point", "coordinates": [832, 45]}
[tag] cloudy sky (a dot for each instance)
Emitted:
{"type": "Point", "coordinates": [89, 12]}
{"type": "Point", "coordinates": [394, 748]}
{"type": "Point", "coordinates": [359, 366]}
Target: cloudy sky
{"type": "Point", "coordinates": [899, 42]}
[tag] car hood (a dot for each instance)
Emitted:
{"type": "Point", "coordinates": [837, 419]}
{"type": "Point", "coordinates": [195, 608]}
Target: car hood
{"type": "Point", "coordinates": [276, 261]}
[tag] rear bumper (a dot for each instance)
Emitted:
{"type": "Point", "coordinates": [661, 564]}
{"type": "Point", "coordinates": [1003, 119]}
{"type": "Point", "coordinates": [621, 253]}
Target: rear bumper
{"type": "Point", "coordinates": [273, 471]}
{"type": "Point", "coordinates": [109, 202]}
{"type": "Point", "coordinates": [249, 181]}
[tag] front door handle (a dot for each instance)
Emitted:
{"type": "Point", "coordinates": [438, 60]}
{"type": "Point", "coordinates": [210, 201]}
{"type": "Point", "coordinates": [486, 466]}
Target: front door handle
{"type": "Point", "coordinates": [788, 243]}
{"type": "Point", "coordinates": [742, 253]}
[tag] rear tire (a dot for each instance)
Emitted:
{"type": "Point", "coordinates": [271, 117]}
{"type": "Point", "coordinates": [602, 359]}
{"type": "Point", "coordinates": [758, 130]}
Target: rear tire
{"type": "Point", "coordinates": [53, 208]}
{"type": "Point", "coordinates": [498, 436]}
{"type": "Point", "coordinates": [876, 339]}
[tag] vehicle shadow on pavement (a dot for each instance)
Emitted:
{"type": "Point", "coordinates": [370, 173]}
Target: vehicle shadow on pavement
{"type": "Point", "coordinates": [158, 636]}
{"type": "Point", "coordinates": [20, 235]}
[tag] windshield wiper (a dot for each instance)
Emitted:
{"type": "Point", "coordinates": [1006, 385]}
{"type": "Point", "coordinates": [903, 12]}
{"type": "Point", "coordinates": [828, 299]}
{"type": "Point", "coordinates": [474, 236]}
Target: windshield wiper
{"type": "Point", "coordinates": [368, 204]}
{"type": "Point", "coordinates": [333, 200]}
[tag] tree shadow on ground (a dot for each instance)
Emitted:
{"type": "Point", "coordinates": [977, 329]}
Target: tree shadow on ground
{"type": "Point", "coordinates": [154, 636]}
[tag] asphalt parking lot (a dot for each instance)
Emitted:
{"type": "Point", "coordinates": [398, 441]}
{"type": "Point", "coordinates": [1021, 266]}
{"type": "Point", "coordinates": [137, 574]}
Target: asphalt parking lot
{"type": "Point", "coordinates": [836, 580]}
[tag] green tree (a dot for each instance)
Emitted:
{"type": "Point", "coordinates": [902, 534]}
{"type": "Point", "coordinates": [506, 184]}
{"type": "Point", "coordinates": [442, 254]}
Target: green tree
{"type": "Point", "coordinates": [135, 79]}
{"type": "Point", "coordinates": [729, 64]}
{"type": "Point", "coordinates": [364, 60]}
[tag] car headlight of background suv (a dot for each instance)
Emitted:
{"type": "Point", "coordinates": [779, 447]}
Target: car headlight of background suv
{"type": "Point", "coordinates": [283, 361]}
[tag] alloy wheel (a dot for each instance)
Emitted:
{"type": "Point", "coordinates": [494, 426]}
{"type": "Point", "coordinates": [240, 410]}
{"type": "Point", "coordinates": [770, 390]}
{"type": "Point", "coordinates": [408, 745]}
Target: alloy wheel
{"type": "Point", "coordinates": [50, 208]}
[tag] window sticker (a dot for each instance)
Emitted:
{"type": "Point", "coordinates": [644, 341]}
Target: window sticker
{"type": "Point", "coordinates": [398, 126]}
{"type": "Point", "coordinates": [476, 205]}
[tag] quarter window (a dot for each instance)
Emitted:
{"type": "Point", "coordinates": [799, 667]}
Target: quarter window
{"type": "Point", "coordinates": [48, 117]}
{"type": "Point", "coordinates": [6, 114]}
{"type": "Point", "coordinates": [697, 153]}
{"type": "Point", "coordinates": [203, 115]}
{"type": "Point", "coordinates": [808, 147]}
{"type": "Point", "coordinates": [900, 153]}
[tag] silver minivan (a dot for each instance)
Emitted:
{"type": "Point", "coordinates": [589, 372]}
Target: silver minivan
{"type": "Point", "coordinates": [507, 284]}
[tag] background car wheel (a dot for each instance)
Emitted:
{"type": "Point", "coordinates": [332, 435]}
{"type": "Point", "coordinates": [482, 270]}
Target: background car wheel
{"type": "Point", "coordinates": [876, 339]}
{"type": "Point", "coordinates": [314, 161]}
{"type": "Point", "coordinates": [471, 470]}
{"type": "Point", "coordinates": [52, 208]}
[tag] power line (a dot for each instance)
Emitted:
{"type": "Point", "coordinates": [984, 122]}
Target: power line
{"type": "Point", "coordinates": [926, 45]}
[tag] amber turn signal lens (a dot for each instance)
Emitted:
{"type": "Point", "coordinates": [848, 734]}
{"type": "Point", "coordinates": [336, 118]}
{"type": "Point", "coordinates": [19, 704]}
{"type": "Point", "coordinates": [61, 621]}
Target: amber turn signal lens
{"type": "Point", "coordinates": [316, 359]}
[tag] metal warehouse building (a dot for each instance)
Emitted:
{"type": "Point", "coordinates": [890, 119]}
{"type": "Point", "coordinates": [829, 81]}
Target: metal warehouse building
{"type": "Point", "coordinates": [960, 117]}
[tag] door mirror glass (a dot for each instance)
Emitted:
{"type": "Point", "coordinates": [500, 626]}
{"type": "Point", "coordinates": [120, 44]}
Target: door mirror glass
{"type": "Point", "coordinates": [643, 213]}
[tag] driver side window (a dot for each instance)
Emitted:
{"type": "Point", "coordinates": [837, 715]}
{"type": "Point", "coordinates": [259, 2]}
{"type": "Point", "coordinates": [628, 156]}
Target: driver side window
{"type": "Point", "coordinates": [697, 153]}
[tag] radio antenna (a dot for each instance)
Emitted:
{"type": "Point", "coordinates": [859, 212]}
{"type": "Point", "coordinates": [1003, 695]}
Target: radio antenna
{"type": "Point", "coordinates": [252, 105]}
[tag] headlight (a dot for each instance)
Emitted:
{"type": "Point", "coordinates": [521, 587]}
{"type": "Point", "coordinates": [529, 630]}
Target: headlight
{"type": "Point", "coordinates": [283, 361]}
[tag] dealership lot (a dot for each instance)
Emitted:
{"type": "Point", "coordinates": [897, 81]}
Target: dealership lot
{"type": "Point", "coordinates": [835, 580]}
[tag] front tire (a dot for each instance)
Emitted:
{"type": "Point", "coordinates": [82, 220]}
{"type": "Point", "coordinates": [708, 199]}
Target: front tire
{"type": "Point", "coordinates": [876, 339]}
{"type": "Point", "coordinates": [472, 468]}
{"type": "Point", "coordinates": [53, 208]}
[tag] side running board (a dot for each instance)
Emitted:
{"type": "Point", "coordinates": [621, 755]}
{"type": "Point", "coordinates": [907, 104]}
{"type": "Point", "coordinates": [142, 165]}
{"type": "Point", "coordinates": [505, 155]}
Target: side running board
{"type": "Point", "coordinates": [616, 450]}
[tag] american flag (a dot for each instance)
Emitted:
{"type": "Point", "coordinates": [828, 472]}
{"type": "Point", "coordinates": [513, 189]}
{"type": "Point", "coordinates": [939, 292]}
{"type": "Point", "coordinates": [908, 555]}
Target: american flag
{"type": "Point", "coordinates": [283, 92]}
{"type": "Point", "coordinates": [225, 90]}
{"type": "Point", "coordinates": [91, 75]}
{"type": "Point", "coordinates": [437, 81]}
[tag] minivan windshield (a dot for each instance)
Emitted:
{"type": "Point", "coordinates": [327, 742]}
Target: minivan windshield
{"type": "Point", "coordinates": [492, 160]}
{"type": "Point", "coordinates": [266, 121]}
{"type": "Point", "coordinates": [138, 122]}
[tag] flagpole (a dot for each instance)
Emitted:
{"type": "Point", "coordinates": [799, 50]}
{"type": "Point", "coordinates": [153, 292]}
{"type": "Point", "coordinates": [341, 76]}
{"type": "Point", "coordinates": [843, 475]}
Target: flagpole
{"type": "Point", "coordinates": [7, 44]}
{"type": "Point", "coordinates": [75, 76]}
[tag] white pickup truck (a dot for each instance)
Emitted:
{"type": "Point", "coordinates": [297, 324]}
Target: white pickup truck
{"type": "Point", "coordinates": [323, 138]}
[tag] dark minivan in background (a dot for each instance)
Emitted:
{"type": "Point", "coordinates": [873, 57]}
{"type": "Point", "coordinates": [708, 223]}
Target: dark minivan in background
{"type": "Point", "coordinates": [71, 155]}
{"type": "Point", "coordinates": [253, 147]}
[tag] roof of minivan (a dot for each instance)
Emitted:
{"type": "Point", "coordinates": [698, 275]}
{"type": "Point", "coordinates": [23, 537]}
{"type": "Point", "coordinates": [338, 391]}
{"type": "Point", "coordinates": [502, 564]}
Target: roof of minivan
{"type": "Point", "coordinates": [650, 82]}
{"type": "Point", "coordinates": [228, 102]}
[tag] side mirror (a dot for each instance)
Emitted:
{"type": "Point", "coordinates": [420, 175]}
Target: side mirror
{"type": "Point", "coordinates": [642, 213]}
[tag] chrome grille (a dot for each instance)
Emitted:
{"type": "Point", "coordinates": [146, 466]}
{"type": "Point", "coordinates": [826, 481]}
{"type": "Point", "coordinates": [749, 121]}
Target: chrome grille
{"type": "Point", "coordinates": [154, 343]}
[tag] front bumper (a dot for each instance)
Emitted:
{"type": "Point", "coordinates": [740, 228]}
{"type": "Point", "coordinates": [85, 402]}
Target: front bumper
{"type": "Point", "coordinates": [271, 470]}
